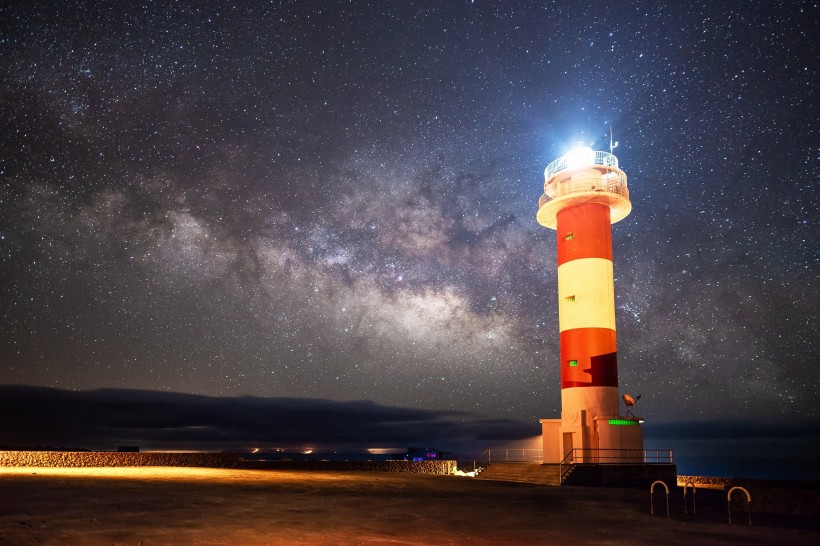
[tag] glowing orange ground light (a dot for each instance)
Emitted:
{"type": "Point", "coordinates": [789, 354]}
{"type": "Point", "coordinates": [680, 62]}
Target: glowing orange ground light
{"type": "Point", "coordinates": [173, 505]}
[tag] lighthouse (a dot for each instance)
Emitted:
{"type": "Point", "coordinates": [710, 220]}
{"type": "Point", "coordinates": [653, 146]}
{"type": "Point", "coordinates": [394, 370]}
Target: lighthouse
{"type": "Point", "coordinates": [585, 192]}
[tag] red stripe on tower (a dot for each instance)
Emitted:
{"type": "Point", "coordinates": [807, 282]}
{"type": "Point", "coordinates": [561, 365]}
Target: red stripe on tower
{"type": "Point", "coordinates": [584, 231]}
{"type": "Point", "coordinates": [588, 358]}
{"type": "Point", "coordinates": [588, 342]}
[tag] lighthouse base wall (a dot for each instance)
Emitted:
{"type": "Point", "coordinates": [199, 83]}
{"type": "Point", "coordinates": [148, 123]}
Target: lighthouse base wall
{"type": "Point", "coordinates": [579, 405]}
{"type": "Point", "coordinates": [622, 475]}
{"type": "Point", "coordinates": [606, 439]}
{"type": "Point", "coordinates": [622, 435]}
{"type": "Point", "coordinates": [550, 440]}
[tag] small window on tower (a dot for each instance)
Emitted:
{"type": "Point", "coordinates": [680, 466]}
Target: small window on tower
{"type": "Point", "coordinates": [570, 298]}
{"type": "Point", "coordinates": [569, 236]}
{"type": "Point", "coordinates": [573, 363]}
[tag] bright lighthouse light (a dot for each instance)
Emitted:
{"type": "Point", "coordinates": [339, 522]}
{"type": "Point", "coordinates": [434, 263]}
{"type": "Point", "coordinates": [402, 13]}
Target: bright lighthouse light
{"type": "Point", "coordinates": [580, 157]}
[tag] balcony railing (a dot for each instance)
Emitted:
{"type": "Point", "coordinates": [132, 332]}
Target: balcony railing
{"type": "Point", "coordinates": [601, 158]}
{"type": "Point", "coordinates": [508, 455]}
{"type": "Point", "coordinates": [613, 184]}
{"type": "Point", "coordinates": [619, 456]}
{"type": "Point", "coordinates": [581, 456]}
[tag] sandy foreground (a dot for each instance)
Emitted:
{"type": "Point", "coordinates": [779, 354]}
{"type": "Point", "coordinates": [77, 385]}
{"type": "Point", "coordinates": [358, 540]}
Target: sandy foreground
{"type": "Point", "coordinates": [151, 505]}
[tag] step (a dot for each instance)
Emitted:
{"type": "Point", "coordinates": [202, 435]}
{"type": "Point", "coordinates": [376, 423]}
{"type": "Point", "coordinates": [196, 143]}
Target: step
{"type": "Point", "coordinates": [544, 474]}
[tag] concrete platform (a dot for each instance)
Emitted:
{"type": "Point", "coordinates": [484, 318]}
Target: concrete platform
{"type": "Point", "coordinates": [622, 475]}
{"type": "Point", "coordinates": [589, 474]}
{"type": "Point", "coordinates": [96, 506]}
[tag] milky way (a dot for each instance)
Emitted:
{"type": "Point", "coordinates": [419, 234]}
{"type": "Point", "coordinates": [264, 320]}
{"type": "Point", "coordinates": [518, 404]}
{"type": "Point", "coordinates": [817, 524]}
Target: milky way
{"type": "Point", "coordinates": [337, 199]}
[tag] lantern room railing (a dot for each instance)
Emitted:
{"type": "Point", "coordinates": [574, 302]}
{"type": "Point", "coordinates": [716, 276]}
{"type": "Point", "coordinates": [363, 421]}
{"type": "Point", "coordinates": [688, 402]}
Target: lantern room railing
{"type": "Point", "coordinates": [600, 158]}
{"type": "Point", "coordinates": [613, 184]}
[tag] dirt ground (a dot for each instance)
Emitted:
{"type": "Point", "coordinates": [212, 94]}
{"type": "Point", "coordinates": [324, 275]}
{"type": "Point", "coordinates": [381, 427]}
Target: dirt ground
{"type": "Point", "coordinates": [94, 506]}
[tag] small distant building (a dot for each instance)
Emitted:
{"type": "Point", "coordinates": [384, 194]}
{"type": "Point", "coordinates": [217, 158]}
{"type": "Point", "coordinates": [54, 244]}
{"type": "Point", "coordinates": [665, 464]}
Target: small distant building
{"type": "Point", "coordinates": [426, 454]}
{"type": "Point", "coordinates": [128, 449]}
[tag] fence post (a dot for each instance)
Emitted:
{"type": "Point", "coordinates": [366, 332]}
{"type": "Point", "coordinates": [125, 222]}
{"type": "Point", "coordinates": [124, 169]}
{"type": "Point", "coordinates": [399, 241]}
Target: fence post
{"type": "Point", "coordinates": [652, 497]}
{"type": "Point", "coordinates": [694, 499]}
{"type": "Point", "coordinates": [748, 502]}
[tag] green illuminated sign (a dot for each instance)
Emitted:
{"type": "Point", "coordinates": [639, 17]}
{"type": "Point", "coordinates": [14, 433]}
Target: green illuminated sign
{"type": "Point", "coordinates": [623, 422]}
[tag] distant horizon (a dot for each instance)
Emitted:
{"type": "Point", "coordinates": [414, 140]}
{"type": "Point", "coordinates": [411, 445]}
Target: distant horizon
{"type": "Point", "coordinates": [105, 419]}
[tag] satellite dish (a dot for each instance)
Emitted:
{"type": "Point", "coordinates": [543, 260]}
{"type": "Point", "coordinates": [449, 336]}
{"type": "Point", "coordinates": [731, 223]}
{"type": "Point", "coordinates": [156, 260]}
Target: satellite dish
{"type": "Point", "coordinates": [630, 403]}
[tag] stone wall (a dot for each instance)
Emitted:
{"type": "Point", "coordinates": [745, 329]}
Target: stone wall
{"type": "Point", "coordinates": [209, 460]}
{"type": "Point", "coordinates": [705, 482]}
{"type": "Point", "coordinates": [114, 458]}
{"type": "Point", "coordinates": [414, 467]}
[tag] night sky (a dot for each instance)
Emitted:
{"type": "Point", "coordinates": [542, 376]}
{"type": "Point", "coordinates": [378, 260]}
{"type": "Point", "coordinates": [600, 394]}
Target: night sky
{"type": "Point", "coordinates": [336, 200]}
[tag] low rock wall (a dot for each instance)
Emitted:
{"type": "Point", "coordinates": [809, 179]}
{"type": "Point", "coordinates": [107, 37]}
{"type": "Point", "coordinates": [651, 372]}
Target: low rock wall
{"type": "Point", "coordinates": [705, 482]}
{"type": "Point", "coordinates": [413, 467]}
{"type": "Point", "coordinates": [78, 459]}
{"type": "Point", "coordinates": [792, 498]}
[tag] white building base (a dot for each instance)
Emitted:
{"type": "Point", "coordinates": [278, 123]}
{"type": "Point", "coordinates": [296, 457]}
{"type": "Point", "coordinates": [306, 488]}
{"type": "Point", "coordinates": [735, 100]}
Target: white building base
{"type": "Point", "coordinates": [604, 439]}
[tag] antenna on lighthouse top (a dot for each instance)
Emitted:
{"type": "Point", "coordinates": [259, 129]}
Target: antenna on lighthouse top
{"type": "Point", "coordinates": [612, 145]}
{"type": "Point", "coordinates": [630, 402]}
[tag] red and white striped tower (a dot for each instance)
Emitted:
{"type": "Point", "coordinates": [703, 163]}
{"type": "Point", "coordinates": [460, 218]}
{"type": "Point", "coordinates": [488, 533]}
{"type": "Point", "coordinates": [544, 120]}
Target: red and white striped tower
{"type": "Point", "coordinates": [584, 194]}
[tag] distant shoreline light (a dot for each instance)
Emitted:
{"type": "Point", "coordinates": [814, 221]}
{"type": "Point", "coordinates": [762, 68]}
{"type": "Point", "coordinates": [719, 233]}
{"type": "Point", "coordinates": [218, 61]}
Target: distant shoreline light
{"type": "Point", "coordinates": [386, 451]}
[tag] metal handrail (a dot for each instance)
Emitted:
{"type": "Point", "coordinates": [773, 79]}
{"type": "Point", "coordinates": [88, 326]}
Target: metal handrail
{"type": "Point", "coordinates": [694, 498]}
{"type": "Point", "coordinates": [616, 185]}
{"type": "Point", "coordinates": [565, 462]}
{"type": "Point", "coordinates": [588, 455]}
{"type": "Point", "coordinates": [748, 501]}
{"type": "Point", "coordinates": [652, 497]}
{"type": "Point", "coordinates": [511, 455]}
{"type": "Point", "coordinates": [579, 455]}
{"type": "Point", "coordinates": [618, 456]}
{"type": "Point", "coordinates": [601, 158]}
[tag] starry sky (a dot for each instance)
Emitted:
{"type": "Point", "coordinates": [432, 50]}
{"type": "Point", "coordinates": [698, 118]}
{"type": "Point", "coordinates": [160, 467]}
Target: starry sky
{"type": "Point", "coordinates": [336, 200]}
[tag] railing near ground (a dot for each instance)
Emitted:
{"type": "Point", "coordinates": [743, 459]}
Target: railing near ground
{"type": "Point", "coordinates": [580, 455]}
{"type": "Point", "coordinates": [577, 456]}
{"type": "Point", "coordinates": [618, 456]}
{"type": "Point", "coordinates": [508, 455]}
